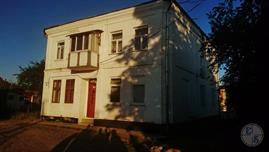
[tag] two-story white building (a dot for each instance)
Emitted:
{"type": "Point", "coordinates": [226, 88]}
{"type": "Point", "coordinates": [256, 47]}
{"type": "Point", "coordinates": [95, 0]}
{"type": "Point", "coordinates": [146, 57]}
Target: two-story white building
{"type": "Point", "coordinates": [140, 63]}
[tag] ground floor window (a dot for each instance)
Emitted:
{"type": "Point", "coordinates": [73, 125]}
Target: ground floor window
{"type": "Point", "coordinates": [138, 93]}
{"type": "Point", "coordinates": [56, 91]}
{"type": "Point", "coordinates": [115, 90]}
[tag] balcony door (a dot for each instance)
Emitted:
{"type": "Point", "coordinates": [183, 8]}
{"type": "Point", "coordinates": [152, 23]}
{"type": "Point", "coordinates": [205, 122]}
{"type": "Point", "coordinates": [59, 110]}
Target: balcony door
{"type": "Point", "coordinates": [91, 98]}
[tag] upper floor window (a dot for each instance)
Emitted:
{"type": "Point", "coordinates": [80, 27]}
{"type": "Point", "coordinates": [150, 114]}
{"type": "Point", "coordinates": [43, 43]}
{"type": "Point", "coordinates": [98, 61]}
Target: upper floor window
{"type": "Point", "coordinates": [116, 44]}
{"type": "Point", "coordinates": [60, 50]}
{"type": "Point", "coordinates": [85, 41]}
{"type": "Point", "coordinates": [141, 38]}
{"type": "Point", "coordinates": [56, 91]}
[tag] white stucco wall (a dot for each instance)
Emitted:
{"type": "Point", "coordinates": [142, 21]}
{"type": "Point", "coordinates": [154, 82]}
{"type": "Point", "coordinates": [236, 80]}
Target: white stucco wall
{"type": "Point", "coordinates": [185, 63]}
{"type": "Point", "coordinates": [133, 67]}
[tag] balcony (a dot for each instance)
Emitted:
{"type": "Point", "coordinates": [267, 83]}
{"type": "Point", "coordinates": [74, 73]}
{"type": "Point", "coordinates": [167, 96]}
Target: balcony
{"type": "Point", "coordinates": [83, 61]}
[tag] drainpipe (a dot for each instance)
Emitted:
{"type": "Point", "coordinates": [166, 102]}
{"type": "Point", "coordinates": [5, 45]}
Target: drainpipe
{"type": "Point", "coordinates": [167, 63]}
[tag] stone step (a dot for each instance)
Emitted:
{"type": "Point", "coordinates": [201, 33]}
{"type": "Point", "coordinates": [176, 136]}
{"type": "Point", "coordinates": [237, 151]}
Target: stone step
{"type": "Point", "coordinates": [86, 122]}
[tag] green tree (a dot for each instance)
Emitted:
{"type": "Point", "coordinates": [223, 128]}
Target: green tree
{"type": "Point", "coordinates": [31, 76]}
{"type": "Point", "coordinates": [4, 84]}
{"type": "Point", "coordinates": [237, 36]}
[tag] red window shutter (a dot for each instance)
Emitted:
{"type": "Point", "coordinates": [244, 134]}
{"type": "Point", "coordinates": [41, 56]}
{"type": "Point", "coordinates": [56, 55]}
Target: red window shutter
{"type": "Point", "coordinates": [69, 91]}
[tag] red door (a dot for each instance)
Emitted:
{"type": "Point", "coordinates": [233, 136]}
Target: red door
{"type": "Point", "coordinates": [91, 98]}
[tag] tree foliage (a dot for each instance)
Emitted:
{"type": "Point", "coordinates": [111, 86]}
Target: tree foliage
{"type": "Point", "coordinates": [237, 36]}
{"type": "Point", "coordinates": [4, 84]}
{"type": "Point", "coordinates": [31, 76]}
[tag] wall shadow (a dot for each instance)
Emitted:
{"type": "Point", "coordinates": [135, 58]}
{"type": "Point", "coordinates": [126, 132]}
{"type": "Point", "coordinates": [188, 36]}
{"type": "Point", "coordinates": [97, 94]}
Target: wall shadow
{"type": "Point", "coordinates": [92, 140]}
{"type": "Point", "coordinates": [177, 38]}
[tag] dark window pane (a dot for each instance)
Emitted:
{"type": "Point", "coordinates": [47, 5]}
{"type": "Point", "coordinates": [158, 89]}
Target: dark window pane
{"type": "Point", "coordinates": [120, 46]}
{"type": "Point", "coordinates": [115, 94]}
{"type": "Point", "coordinates": [137, 43]}
{"type": "Point", "coordinates": [116, 36]}
{"type": "Point", "coordinates": [141, 31]}
{"type": "Point", "coordinates": [86, 41]}
{"type": "Point", "coordinates": [58, 52]}
{"type": "Point", "coordinates": [62, 52]}
{"type": "Point", "coordinates": [73, 43]}
{"type": "Point", "coordinates": [115, 90]}
{"type": "Point", "coordinates": [113, 48]}
{"type": "Point", "coordinates": [138, 93]}
{"type": "Point", "coordinates": [116, 81]}
{"type": "Point", "coordinates": [145, 42]}
{"type": "Point", "coordinates": [79, 42]}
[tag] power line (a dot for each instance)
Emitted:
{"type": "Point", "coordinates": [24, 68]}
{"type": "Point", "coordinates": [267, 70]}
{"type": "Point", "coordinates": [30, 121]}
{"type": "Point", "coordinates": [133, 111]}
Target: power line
{"type": "Point", "coordinates": [198, 3]}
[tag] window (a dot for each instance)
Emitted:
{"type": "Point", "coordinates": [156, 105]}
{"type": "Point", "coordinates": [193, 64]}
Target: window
{"type": "Point", "coordinates": [202, 95]}
{"type": "Point", "coordinates": [79, 42]}
{"type": "Point", "coordinates": [56, 92]}
{"type": "Point", "coordinates": [69, 91]}
{"type": "Point", "coordinates": [138, 93]}
{"type": "Point", "coordinates": [115, 90]}
{"type": "Point", "coordinates": [116, 45]}
{"type": "Point", "coordinates": [141, 38]}
{"type": "Point", "coordinates": [85, 41]}
{"type": "Point", "coordinates": [73, 43]}
{"type": "Point", "coordinates": [60, 50]}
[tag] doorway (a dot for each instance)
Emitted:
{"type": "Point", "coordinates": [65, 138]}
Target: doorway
{"type": "Point", "coordinates": [91, 98]}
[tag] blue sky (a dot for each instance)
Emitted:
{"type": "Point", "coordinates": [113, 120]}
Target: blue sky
{"type": "Point", "coordinates": [22, 23]}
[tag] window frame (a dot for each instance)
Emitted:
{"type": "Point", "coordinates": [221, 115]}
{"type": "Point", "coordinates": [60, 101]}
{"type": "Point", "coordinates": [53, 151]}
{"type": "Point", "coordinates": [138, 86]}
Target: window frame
{"type": "Point", "coordinates": [93, 42]}
{"type": "Point", "coordinates": [60, 50]}
{"type": "Point", "coordinates": [69, 91]}
{"type": "Point", "coordinates": [141, 38]}
{"type": "Point", "coordinates": [133, 95]}
{"type": "Point", "coordinates": [117, 42]}
{"type": "Point", "coordinates": [56, 91]}
{"type": "Point", "coordinates": [118, 85]}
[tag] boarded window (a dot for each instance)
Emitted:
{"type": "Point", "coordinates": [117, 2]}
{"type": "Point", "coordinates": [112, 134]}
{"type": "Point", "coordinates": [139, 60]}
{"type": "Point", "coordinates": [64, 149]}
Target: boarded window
{"type": "Point", "coordinates": [115, 90]}
{"type": "Point", "coordinates": [69, 91]}
{"type": "Point", "coordinates": [138, 93]}
{"type": "Point", "coordinates": [141, 38]}
{"type": "Point", "coordinates": [56, 91]}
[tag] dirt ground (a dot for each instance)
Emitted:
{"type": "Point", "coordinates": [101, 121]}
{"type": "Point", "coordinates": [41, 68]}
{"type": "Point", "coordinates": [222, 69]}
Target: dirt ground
{"type": "Point", "coordinates": [31, 136]}
{"type": "Point", "coordinates": [44, 136]}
